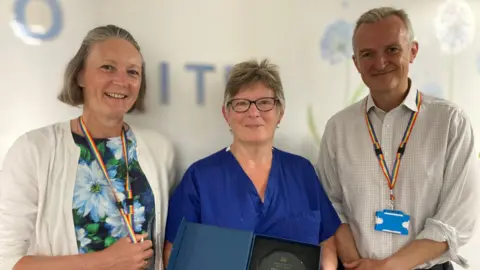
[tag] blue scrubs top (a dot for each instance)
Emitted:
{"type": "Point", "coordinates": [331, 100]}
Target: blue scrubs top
{"type": "Point", "coordinates": [216, 191]}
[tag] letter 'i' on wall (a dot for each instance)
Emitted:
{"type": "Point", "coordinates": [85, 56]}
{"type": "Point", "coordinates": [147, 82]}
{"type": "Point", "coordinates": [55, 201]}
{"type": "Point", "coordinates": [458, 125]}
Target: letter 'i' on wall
{"type": "Point", "coordinates": [35, 34]}
{"type": "Point", "coordinates": [200, 70]}
{"type": "Point", "coordinates": [164, 83]}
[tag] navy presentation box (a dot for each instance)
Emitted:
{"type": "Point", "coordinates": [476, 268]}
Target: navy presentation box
{"type": "Point", "coordinates": [205, 247]}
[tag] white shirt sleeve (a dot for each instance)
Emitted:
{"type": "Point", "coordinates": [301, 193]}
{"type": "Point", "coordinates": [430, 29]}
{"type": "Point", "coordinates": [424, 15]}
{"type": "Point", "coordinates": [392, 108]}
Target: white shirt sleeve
{"type": "Point", "coordinates": [327, 171]}
{"type": "Point", "coordinates": [457, 212]}
{"type": "Point", "coordinates": [18, 202]}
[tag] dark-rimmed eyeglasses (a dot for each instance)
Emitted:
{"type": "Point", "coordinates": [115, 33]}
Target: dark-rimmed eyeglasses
{"type": "Point", "coordinates": [241, 105]}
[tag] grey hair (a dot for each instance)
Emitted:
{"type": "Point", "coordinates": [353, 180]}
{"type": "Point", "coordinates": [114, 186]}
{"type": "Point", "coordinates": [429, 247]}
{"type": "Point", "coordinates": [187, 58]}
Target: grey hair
{"type": "Point", "coordinates": [72, 93]}
{"type": "Point", "coordinates": [376, 14]}
{"type": "Point", "coordinates": [248, 72]}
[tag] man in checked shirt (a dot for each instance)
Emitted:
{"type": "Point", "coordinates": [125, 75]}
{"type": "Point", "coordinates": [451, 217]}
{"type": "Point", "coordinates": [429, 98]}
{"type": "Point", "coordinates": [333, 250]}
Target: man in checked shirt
{"type": "Point", "coordinates": [399, 166]}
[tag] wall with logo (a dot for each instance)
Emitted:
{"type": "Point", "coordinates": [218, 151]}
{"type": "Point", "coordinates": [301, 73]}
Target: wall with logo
{"type": "Point", "coordinates": [189, 46]}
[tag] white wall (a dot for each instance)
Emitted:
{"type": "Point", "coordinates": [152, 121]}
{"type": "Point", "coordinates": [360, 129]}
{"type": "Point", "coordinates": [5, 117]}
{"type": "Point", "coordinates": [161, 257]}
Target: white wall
{"type": "Point", "coordinates": [220, 33]}
{"type": "Point", "coordinates": [31, 75]}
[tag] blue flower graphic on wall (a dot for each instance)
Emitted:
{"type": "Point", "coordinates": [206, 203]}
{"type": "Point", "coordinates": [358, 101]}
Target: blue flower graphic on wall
{"type": "Point", "coordinates": [336, 43]}
{"type": "Point", "coordinates": [455, 30]}
{"type": "Point", "coordinates": [454, 26]}
{"type": "Point", "coordinates": [336, 48]}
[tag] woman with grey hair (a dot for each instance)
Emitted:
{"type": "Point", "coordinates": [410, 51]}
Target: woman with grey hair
{"type": "Point", "coordinates": [91, 192]}
{"type": "Point", "coordinates": [252, 185]}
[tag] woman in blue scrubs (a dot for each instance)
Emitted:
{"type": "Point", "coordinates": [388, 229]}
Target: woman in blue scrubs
{"type": "Point", "coordinates": [251, 185]}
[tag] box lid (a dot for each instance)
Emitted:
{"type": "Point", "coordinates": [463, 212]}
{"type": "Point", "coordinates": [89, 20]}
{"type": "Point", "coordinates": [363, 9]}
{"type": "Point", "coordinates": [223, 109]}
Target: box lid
{"type": "Point", "coordinates": [200, 246]}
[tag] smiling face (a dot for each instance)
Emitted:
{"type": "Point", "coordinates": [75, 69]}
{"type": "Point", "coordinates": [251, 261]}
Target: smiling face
{"type": "Point", "coordinates": [111, 77]}
{"type": "Point", "coordinates": [383, 54]}
{"type": "Point", "coordinates": [255, 125]}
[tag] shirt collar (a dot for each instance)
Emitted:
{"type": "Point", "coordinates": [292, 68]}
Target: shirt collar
{"type": "Point", "coordinates": [409, 101]}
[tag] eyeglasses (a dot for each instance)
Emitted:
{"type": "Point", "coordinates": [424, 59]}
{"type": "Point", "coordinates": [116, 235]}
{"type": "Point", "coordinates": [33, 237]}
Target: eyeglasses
{"type": "Point", "coordinates": [241, 105]}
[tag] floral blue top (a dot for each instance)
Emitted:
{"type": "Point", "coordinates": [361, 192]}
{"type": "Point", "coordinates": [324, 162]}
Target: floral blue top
{"type": "Point", "coordinates": [98, 222]}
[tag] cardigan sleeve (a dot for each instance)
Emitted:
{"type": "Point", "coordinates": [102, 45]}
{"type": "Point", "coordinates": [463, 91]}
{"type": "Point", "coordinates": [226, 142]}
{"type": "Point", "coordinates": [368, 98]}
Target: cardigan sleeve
{"type": "Point", "coordinates": [18, 201]}
{"type": "Point", "coordinates": [172, 168]}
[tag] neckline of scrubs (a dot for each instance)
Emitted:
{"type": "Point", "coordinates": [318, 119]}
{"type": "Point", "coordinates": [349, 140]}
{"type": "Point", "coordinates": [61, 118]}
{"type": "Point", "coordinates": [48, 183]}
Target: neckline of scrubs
{"type": "Point", "coordinates": [272, 183]}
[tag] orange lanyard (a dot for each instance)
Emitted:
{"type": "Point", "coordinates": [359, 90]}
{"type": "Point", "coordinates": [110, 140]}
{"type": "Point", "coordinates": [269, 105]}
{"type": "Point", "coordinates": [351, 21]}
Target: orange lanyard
{"type": "Point", "coordinates": [392, 178]}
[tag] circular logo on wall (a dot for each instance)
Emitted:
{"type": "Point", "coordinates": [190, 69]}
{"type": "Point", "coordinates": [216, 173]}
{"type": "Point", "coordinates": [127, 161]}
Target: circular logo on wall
{"type": "Point", "coordinates": [37, 21]}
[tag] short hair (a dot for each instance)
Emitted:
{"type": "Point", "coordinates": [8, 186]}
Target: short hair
{"type": "Point", "coordinates": [72, 93]}
{"type": "Point", "coordinates": [248, 72]}
{"type": "Point", "coordinates": [376, 14]}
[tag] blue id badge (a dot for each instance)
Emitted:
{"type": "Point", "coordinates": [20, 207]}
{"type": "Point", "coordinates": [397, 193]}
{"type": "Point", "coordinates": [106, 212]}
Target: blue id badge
{"type": "Point", "coordinates": [392, 221]}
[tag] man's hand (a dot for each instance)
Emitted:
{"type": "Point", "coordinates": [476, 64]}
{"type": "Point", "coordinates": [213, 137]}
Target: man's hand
{"type": "Point", "coordinates": [345, 244]}
{"type": "Point", "coordinates": [366, 264]}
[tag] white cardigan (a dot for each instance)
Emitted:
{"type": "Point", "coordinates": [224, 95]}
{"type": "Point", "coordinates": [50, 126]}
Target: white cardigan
{"type": "Point", "coordinates": [36, 191]}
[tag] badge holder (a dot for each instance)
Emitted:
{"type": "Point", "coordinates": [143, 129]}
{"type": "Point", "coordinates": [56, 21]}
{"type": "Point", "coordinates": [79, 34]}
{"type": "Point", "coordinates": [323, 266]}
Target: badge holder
{"type": "Point", "coordinates": [392, 221]}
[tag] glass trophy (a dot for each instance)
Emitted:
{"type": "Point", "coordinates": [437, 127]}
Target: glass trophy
{"type": "Point", "coordinates": [280, 260]}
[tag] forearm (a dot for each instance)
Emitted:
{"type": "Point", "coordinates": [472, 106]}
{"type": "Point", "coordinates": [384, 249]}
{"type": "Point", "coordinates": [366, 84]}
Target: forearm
{"type": "Point", "coordinates": [345, 244]}
{"type": "Point", "coordinates": [416, 253]}
{"type": "Point", "coordinates": [329, 260]}
{"type": "Point", "coordinates": [71, 262]}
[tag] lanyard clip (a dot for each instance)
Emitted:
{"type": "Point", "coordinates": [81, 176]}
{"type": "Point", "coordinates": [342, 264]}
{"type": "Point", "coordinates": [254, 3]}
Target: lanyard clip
{"type": "Point", "coordinates": [392, 198]}
{"type": "Point", "coordinates": [401, 150]}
